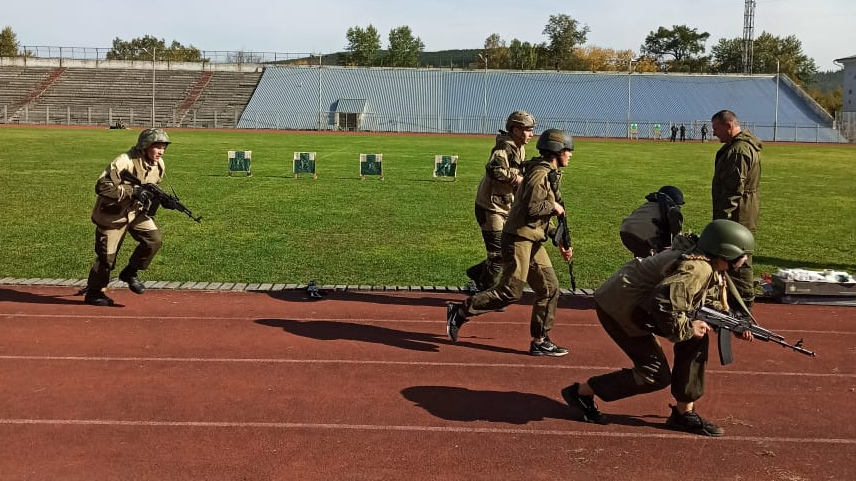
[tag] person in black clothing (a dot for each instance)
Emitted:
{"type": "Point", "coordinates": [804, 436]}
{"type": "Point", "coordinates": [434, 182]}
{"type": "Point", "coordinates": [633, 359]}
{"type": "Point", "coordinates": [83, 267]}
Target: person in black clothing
{"type": "Point", "coordinates": [651, 228]}
{"type": "Point", "coordinates": [683, 132]}
{"type": "Point", "coordinates": [674, 133]}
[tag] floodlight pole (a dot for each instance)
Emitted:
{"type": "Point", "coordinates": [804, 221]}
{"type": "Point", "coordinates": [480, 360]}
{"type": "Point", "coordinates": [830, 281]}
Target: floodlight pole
{"type": "Point", "coordinates": [629, 77]}
{"type": "Point", "coordinates": [154, 49]}
{"type": "Point", "coordinates": [484, 104]}
{"type": "Point", "coordinates": [153, 85]}
{"type": "Point", "coordinates": [776, 121]}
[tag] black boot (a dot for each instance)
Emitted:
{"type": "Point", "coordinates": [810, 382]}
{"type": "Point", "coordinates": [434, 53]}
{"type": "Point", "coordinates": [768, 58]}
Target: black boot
{"type": "Point", "coordinates": [129, 275]}
{"type": "Point", "coordinates": [97, 297]}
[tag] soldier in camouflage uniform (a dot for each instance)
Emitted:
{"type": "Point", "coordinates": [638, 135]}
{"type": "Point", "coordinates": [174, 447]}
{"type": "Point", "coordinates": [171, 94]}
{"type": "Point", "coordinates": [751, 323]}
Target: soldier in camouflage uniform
{"type": "Point", "coordinates": [496, 192]}
{"type": "Point", "coordinates": [524, 258]}
{"type": "Point", "coordinates": [124, 208]}
{"type": "Point", "coordinates": [656, 297]}
{"type": "Point", "coordinates": [735, 189]}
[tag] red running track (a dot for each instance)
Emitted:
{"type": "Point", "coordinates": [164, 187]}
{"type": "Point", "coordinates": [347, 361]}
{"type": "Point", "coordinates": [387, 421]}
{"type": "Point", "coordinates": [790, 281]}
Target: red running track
{"type": "Point", "coordinates": [195, 385]}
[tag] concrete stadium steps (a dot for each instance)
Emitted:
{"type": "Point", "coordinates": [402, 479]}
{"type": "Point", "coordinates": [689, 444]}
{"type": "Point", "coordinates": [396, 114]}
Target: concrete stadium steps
{"type": "Point", "coordinates": [101, 96]}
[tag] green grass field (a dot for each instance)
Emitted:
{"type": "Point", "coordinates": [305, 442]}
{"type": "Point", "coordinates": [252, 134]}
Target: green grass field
{"type": "Point", "coordinates": [408, 229]}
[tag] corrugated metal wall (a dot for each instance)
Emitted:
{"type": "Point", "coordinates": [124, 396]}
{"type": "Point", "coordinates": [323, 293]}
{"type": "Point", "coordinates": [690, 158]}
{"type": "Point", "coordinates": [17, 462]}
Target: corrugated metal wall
{"type": "Point", "coordinates": [477, 101]}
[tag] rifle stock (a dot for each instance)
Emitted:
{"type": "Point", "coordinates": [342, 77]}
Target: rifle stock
{"type": "Point", "coordinates": [721, 321]}
{"type": "Point", "coordinates": [169, 201]}
{"type": "Point", "coordinates": [563, 238]}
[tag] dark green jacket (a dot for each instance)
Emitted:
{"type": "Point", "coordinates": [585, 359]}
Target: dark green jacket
{"type": "Point", "coordinates": [736, 180]}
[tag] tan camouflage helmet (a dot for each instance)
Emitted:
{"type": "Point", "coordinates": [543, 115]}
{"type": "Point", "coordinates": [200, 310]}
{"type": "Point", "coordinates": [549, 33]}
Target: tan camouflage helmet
{"type": "Point", "coordinates": [521, 118]}
{"type": "Point", "coordinates": [151, 136]}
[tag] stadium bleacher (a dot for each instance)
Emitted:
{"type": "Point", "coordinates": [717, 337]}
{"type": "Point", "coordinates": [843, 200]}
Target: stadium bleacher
{"type": "Point", "coordinates": [405, 100]}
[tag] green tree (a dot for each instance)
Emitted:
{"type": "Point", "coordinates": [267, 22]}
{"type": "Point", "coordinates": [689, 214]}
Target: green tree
{"type": "Point", "coordinates": [145, 48]}
{"type": "Point", "coordinates": [496, 52]}
{"type": "Point", "coordinates": [831, 101]}
{"type": "Point", "coordinates": [565, 34]}
{"type": "Point", "coordinates": [523, 55]}
{"type": "Point", "coordinates": [788, 52]}
{"type": "Point", "coordinates": [677, 49]}
{"type": "Point", "coordinates": [768, 50]}
{"type": "Point", "coordinates": [8, 43]}
{"type": "Point", "coordinates": [404, 49]}
{"type": "Point", "coordinates": [728, 55]}
{"type": "Point", "coordinates": [363, 45]}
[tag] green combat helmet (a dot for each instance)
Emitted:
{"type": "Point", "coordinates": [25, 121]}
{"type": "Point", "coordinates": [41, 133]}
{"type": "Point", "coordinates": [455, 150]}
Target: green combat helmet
{"type": "Point", "coordinates": [151, 136]}
{"type": "Point", "coordinates": [520, 118]}
{"type": "Point", "coordinates": [555, 140]}
{"type": "Point", "coordinates": [726, 239]}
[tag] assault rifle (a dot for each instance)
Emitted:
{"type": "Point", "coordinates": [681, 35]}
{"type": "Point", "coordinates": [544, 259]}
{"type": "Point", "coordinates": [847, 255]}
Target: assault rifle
{"type": "Point", "coordinates": [723, 323]}
{"type": "Point", "coordinates": [168, 201]}
{"type": "Point", "coordinates": [563, 239]}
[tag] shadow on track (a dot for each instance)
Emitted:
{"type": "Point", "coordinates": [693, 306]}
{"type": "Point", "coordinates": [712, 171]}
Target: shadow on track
{"type": "Point", "coordinates": [405, 298]}
{"type": "Point", "coordinates": [462, 404]}
{"type": "Point", "coordinates": [333, 330]}
{"type": "Point", "coordinates": [11, 295]}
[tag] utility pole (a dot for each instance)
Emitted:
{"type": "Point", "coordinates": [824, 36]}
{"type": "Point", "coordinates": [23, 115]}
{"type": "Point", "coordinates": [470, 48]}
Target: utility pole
{"type": "Point", "coordinates": [776, 121]}
{"type": "Point", "coordinates": [484, 104]}
{"type": "Point", "coordinates": [154, 49]}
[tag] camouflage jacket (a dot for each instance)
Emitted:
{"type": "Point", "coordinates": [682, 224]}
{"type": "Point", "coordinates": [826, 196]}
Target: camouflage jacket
{"type": "Point", "coordinates": [115, 206]}
{"type": "Point", "coordinates": [656, 295]}
{"type": "Point", "coordinates": [533, 206]}
{"type": "Point", "coordinates": [496, 190]}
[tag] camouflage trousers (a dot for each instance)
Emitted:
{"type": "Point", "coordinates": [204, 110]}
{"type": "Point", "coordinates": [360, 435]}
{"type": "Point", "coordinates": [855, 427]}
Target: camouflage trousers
{"type": "Point", "coordinates": [523, 262]}
{"type": "Point", "coordinates": [650, 371]}
{"type": "Point", "coordinates": [109, 240]}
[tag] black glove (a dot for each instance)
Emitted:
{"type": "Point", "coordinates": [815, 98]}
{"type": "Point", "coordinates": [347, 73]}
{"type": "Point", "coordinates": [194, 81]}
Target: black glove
{"type": "Point", "coordinates": [142, 194]}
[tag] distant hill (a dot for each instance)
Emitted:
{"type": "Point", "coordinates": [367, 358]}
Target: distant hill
{"type": "Point", "coordinates": [468, 58]}
{"type": "Point", "coordinates": [439, 59]}
{"type": "Point", "coordinates": [828, 81]}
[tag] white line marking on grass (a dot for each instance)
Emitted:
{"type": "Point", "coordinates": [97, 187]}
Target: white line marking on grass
{"type": "Point", "coordinates": [434, 429]}
{"type": "Point", "coordinates": [388, 363]}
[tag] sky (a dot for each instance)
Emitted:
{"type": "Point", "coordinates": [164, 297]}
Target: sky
{"type": "Point", "coordinates": [826, 28]}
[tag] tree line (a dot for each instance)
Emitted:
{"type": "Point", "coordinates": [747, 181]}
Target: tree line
{"type": "Point", "coordinates": [679, 49]}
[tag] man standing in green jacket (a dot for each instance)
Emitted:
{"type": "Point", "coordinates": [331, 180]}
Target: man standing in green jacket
{"type": "Point", "coordinates": [524, 258]}
{"type": "Point", "coordinates": [735, 187]}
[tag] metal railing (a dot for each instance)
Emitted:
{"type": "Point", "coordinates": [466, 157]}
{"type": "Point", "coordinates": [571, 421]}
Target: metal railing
{"type": "Point", "coordinates": [95, 116]}
{"type": "Point", "coordinates": [209, 56]}
{"type": "Point", "coordinates": [370, 122]}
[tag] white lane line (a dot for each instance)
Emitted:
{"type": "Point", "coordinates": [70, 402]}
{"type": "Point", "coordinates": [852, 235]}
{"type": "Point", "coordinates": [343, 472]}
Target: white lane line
{"type": "Point", "coordinates": [389, 363]}
{"type": "Point", "coordinates": [438, 321]}
{"type": "Point", "coordinates": [436, 429]}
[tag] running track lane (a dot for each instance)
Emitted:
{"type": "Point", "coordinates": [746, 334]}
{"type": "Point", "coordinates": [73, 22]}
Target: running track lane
{"type": "Point", "coordinates": [209, 385]}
